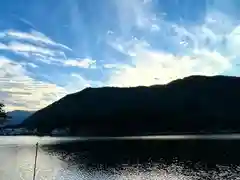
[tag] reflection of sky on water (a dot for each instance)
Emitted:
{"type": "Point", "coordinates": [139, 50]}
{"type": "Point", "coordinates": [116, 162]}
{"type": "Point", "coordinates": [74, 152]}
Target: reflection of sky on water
{"type": "Point", "coordinates": [17, 158]}
{"type": "Point", "coordinates": [30, 140]}
{"type": "Point", "coordinates": [17, 164]}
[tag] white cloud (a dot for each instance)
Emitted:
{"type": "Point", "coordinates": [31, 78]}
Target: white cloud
{"type": "Point", "coordinates": [19, 91]}
{"type": "Point", "coordinates": [161, 67]}
{"type": "Point", "coordinates": [82, 63]}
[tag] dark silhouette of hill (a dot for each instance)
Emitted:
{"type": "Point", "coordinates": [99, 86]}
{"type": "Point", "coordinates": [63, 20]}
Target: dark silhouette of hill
{"type": "Point", "coordinates": [190, 105]}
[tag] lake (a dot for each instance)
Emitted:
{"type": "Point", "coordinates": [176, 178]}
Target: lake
{"type": "Point", "coordinates": [133, 158]}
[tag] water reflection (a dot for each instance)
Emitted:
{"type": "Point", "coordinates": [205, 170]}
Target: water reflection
{"type": "Point", "coordinates": [31, 140]}
{"type": "Point", "coordinates": [91, 158]}
{"type": "Point", "coordinates": [17, 163]}
{"type": "Point", "coordinates": [17, 158]}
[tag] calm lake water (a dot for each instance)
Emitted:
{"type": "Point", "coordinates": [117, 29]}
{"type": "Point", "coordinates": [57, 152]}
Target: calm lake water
{"type": "Point", "coordinates": [161, 157]}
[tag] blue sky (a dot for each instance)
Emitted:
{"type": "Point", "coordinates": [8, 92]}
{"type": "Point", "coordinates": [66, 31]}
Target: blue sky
{"type": "Point", "coordinates": [52, 48]}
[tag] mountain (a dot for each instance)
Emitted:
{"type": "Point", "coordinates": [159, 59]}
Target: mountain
{"type": "Point", "coordinates": [17, 117]}
{"type": "Point", "coordinates": [190, 105]}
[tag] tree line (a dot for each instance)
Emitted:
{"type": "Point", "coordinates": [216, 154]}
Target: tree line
{"type": "Point", "coordinates": [3, 114]}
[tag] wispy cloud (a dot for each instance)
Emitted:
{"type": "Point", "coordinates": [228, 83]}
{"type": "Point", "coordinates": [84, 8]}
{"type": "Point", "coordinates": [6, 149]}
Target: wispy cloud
{"type": "Point", "coordinates": [29, 64]}
{"type": "Point", "coordinates": [34, 46]}
{"type": "Point", "coordinates": [208, 48]}
{"type": "Point", "coordinates": [136, 14]}
{"type": "Point", "coordinates": [19, 89]}
{"type": "Point", "coordinates": [26, 48]}
{"type": "Point", "coordinates": [82, 63]}
{"type": "Point", "coordinates": [33, 36]}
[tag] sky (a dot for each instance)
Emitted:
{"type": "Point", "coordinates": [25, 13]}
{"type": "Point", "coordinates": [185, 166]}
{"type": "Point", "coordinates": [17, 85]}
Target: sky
{"type": "Point", "coordinates": [52, 48]}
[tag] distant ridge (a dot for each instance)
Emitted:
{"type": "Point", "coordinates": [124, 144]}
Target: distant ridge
{"type": "Point", "coordinates": [17, 117]}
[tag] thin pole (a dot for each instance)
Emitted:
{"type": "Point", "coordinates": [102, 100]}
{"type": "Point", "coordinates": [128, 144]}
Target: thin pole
{"type": "Point", "coordinates": [35, 163]}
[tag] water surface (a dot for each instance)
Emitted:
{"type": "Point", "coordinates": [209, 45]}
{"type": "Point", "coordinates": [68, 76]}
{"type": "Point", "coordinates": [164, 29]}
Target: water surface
{"type": "Point", "coordinates": [159, 157]}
